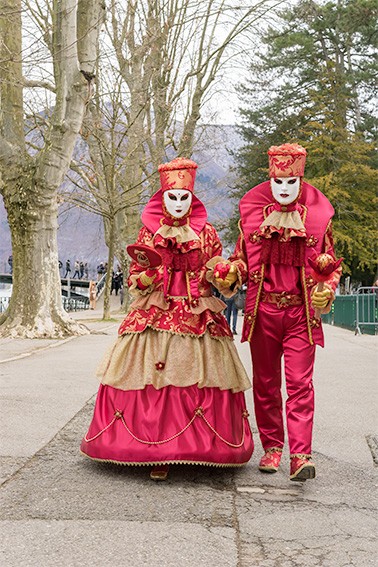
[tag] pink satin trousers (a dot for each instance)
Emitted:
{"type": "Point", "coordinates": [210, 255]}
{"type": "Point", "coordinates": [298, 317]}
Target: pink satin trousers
{"type": "Point", "coordinates": [283, 332]}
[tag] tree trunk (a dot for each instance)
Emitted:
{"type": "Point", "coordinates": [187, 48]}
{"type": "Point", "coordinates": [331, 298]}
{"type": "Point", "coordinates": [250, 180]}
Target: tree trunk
{"type": "Point", "coordinates": [35, 309]}
{"type": "Point", "coordinates": [109, 273]}
{"type": "Point", "coordinates": [30, 183]}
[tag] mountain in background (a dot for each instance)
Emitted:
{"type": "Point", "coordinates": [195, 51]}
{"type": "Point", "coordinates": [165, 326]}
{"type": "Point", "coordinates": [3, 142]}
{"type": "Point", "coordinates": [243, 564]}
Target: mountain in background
{"type": "Point", "coordinates": [81, 233]}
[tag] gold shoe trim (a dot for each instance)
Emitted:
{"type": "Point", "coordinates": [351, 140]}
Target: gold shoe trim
{"type": "Point", "coordinates": [159, 473]}
{"type": "Point", "coordinates": [273, 450]}
{"type": "Point", "coordinates": [301, 456]}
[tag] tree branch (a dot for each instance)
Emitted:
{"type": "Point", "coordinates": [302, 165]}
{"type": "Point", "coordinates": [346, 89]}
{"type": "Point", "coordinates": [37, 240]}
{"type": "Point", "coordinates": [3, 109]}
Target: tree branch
{"type": "Point", "coordinates": [27, 83]}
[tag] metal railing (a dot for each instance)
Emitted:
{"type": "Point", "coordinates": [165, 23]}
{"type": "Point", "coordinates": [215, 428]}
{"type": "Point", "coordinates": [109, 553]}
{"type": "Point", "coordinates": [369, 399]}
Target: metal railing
{"type": "Point", "coordinates": [69, 303]}
{"type": "Point", "coordinates": [75, 304]}
{"type": "Point", "coordinates": [366, 309]}
{"type": "Point", "coordinates": [357, 312]}
{"type": "Point", "coordinates": [101, 285]}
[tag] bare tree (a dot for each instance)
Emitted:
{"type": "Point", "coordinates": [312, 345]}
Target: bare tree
{"type": "Point", "coordinates": [31, 173]}
{"type": "Point", "coordinates": [100, 177]}
{"type": "Point", "coordinates": [169, 54]}
{"type": "Point", "coordinates": [160, 61]}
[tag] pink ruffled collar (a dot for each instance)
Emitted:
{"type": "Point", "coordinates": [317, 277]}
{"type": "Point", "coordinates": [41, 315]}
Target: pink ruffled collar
{"type": "Point", "coordinates": [153, 214]}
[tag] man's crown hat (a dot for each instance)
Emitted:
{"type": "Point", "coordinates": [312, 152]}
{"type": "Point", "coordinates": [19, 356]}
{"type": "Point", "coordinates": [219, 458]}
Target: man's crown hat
{"type": "Point", "coordinates": [287, 160]}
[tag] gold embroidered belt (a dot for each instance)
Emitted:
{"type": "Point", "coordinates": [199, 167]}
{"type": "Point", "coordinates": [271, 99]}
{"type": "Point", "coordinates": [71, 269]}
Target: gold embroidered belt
{"type": "Point", "coordinates": [282, 300]}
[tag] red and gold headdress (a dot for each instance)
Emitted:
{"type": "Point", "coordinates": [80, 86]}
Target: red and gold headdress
{"type": "Point", "coordinates": [179, 173]}
{"type": "Point", "coordinates": [287, 160]}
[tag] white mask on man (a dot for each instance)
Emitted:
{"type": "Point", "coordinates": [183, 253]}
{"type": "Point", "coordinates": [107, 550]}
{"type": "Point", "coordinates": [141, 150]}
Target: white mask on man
{"type": "Point", "coordinates": [177, 202]}
{"type": "Point", "coordinates": [285, 189]}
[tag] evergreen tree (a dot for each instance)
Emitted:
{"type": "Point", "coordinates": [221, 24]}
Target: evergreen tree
{"type": "Point", "coordinates": [314, 84]}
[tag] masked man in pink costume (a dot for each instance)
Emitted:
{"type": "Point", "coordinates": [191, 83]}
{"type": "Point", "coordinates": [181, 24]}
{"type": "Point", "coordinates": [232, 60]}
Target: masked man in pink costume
{"type": "Point", "coordinates": [172, 386]}
{"type": "Point", "coordinates": [284, 223]}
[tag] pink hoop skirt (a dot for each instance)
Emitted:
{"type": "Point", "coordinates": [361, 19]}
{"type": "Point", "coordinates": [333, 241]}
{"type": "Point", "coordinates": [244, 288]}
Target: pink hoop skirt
{"type": "Point", "coordinates": [188, 424]}
{"type": "Point", "coordinates": [172, 387]}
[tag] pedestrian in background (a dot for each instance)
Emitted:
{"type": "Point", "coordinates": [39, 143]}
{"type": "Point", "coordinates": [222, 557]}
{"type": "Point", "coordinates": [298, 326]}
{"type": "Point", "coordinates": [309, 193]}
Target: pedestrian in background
{"type": "Point", "coordinates": [100, 270]}
{"type": "Point", "coordinates": [92, 294]}
{"type": "Point", "coordinates": [68, 269]}
{"type": "Point", "coordinates": [118, 279]}
{"type": "Point", "coordinates": [231, 313]}
{"type": "Point", "coordinates": [77, 270]}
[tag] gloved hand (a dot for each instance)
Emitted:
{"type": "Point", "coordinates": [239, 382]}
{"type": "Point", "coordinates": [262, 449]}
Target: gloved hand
{"type": "Point", "coordinates": [225, 274]}
{"type": "Point", "coordinates": [320, 299]}
{"type": "Point", "coordinates": [146, 278]}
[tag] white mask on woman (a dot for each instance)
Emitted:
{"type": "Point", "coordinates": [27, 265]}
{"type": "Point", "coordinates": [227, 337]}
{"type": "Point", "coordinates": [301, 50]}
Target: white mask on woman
{"type": "Point", "coordinates": [177, 202]}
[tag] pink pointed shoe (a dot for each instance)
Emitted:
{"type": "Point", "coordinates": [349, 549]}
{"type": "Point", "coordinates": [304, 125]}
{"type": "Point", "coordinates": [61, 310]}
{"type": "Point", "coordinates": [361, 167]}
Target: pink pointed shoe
{"type": "Point", "coordinates": [301, 467]}
{"type": "Point", "coordinates": [271, 460]}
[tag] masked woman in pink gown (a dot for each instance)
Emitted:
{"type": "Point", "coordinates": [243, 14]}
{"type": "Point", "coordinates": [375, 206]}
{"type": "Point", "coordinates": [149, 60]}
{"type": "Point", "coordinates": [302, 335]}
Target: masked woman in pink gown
{"type": "Point", "coordinates": [172, 386]}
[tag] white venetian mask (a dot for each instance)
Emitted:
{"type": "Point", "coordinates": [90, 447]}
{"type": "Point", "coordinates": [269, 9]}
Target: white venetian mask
{"type": "Point", "coordinates": [285, 189]}
{"type": "Point", "coordinates": [177, 202]}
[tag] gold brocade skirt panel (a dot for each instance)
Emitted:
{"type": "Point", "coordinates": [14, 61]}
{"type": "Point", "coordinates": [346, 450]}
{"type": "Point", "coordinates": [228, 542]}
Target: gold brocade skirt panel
{"type": "Point", "coordinates": [164, 359]}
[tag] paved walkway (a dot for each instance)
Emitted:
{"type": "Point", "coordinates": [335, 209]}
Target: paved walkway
{"type": "Point", "coordinates": [57, 508]}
